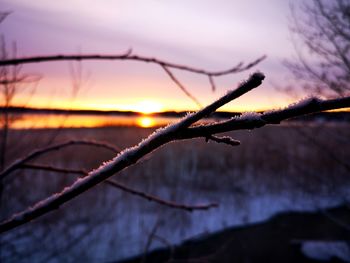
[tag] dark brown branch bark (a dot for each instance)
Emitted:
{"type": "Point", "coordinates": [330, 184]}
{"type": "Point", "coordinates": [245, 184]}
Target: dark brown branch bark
{"type": "Point", "coordinates": [124, 159]}
{"type": "Point", "coordinates": [124, 188]}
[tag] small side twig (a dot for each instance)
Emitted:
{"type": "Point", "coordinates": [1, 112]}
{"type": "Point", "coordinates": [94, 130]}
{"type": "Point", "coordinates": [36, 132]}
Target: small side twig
{"type": "Point", "coordinates": [24, 78]}
{"type": "Point", "coordinates": [224, 139]}
{"type": "Point", "coordinates": [212, 83]}
{"type": "Point", "coordinates": [181, 86]}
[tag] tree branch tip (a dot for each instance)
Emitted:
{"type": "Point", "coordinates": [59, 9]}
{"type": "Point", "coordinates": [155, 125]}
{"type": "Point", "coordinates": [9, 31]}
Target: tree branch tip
{"type": "Point", "coordinates": [258, 76]}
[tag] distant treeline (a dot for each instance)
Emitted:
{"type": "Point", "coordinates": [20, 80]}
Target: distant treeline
{"type": "Point", "coordinates": [342, 116]}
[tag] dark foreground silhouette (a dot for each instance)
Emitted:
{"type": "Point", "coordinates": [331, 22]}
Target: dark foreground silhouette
{"type": "Point", "coordinates": [278, 239]}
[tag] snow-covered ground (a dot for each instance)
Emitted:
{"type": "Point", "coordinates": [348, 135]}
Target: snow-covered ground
{"type": "Point", "coordinates": [121, 229]}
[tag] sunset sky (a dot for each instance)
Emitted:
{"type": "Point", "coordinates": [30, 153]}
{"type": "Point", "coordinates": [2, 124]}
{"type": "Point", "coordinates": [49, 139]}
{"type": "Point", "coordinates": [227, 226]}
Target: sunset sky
{"type": "Point", "coordinates": [214, 35]}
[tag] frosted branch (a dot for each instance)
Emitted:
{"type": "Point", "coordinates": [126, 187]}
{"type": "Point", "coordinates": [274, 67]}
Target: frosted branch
{"type": "Point", "coordinates": [125, 158]}
{"type": "Point", "coordinates": [257, 120]}
{"type": "Point", "coordinates": [178, 131]}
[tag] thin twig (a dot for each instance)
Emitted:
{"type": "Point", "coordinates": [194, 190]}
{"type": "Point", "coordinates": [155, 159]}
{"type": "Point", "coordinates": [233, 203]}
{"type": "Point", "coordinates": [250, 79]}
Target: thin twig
{"type": "Point", "coordinates": [160, 201]}
{"type": "Point", "coordinates": [181, 86]}
{"type": "Point", "coordinates": [127, 56]}
{"type": "Point", "coordinates": [224, 139]}
{"type": "Point", "coordinates": [212, 83]}
{"type": "Point", "coordinates": [38, 152]}
{"type": "Point", "coordinates": [123, 187]}
{"type": "Point", "coordinates": [53, 169]}
{"type": "Point", "coordinates": [150, 239]}
{"type": "Point", "coordinates": [3, 15]}
{"type": "Point", "coordinates": [18, 80]}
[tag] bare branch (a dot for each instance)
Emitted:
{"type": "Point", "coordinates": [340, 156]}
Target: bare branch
{"type": "Point", "coordinates": [160, 201]}
{"type": "Point", "coordinates": [52, 169]}
{"type": "Point", "coordinates": [182, 87]}
{"type": "Point", "coordinates": [323, 28]}
{"type": "Point", "coordinates": [125, 159]}
{"type": "Point", "coordinates": [127, 56]}
{"type": "Point", "coordinates": [36, 153]}
{"type": "Point", "coordinates": [3, 15]}
{"type": "Point", "coordinates": [19, 80]}
{"type": "Point", "coordinates": [123, 187]}
{"type": "Point", "coordinates": [150, 239]}
{"type": "Point", "coordinates": [212, 83]}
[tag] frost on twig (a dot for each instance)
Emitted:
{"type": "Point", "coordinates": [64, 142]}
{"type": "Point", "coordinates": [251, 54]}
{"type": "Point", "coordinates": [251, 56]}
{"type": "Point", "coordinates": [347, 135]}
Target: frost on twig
{"type": "Point", "coordinates": [258, 120]}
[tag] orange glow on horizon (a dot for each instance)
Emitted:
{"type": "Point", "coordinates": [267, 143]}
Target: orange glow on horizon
{"type": "Point", "coordinates": [147, 107]}
{"type": "Point", "coordinates": [53, 121]}
{"type": "Point", "coordinates": [145, 122]}
{"type": "Point", "coordinates": [141, 106]}
{"type": "Point", "coordinates": [38, 121]}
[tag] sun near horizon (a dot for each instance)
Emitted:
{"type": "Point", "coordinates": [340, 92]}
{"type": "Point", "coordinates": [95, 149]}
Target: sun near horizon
{"type": "Point", "coordinates": [147, 106]}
